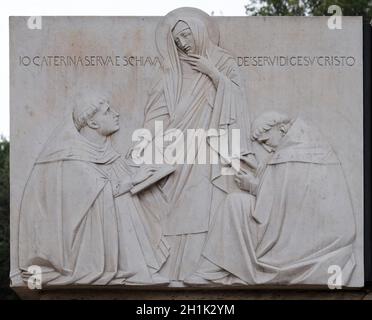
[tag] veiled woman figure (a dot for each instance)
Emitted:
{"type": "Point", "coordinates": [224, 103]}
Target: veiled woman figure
{"type": "Point", "coordinates": [200, 88]}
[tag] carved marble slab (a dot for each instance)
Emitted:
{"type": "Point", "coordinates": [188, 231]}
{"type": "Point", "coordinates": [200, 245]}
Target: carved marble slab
{"type": "Point", "coordinates": [111, 117]}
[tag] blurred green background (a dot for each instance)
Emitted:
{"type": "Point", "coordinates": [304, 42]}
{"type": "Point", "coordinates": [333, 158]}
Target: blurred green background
{"type": "Point", "coordinates": [5, 291]}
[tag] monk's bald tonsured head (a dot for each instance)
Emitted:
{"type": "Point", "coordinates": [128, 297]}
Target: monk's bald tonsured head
{"type": "Point", "coordinates": [94, 111]}
{"type": "Point", "coordinates": [269, 128]}
{"type": "Point", "coordinates": [85, 108]}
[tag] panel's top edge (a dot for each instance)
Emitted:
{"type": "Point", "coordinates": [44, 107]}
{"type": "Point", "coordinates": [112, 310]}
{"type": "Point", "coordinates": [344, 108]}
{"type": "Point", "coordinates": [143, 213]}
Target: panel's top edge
{"type": "Point", "coordinates": [217, 17]}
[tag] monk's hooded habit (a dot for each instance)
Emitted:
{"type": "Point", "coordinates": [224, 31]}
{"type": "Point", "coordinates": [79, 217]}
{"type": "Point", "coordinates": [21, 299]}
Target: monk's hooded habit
{"type": "Point", "coordinates": [299, 225]}
{"type": "Point", "coordinates": [72, 226]}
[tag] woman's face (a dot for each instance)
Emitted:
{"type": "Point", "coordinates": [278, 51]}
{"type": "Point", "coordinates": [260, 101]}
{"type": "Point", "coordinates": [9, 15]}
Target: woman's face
{"type": "Point", "coordinates": [184, 38]}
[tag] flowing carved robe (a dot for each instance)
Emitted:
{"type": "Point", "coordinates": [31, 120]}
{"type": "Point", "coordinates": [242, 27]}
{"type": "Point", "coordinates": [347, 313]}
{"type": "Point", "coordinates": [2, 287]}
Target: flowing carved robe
{"type": "Point", "coordinates": [300, 224]}
{"type": "Point", "coordinates": [72, 226]}
{"type": "Point", "coordinates": [186, 99]}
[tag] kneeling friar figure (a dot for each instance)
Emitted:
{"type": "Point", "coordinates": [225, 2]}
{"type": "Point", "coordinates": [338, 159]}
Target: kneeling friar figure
{"type": "Point", "coordinates": [293, 219]}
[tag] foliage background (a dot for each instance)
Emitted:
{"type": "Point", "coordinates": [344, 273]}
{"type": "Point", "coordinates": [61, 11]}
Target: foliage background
{"type": "Point", "coordinates": [308, 7]}
{"type": "Point", "coordinates": [5, 291]}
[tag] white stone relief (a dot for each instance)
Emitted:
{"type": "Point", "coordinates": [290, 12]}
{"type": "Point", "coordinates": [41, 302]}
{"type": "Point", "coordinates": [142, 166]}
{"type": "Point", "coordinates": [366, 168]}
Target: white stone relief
{"type": "Point", "coordinates": [200, 88]}
{"type": "Point", "coordinates": [293, 219]}
{"type": "Point", "coordinates": [78, 219]}
{"type": "Point", "coordinates": [90, 215]}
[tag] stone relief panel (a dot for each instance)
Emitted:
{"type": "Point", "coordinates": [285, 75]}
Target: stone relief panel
{"type": "Point", "coordinates": [194, 159]}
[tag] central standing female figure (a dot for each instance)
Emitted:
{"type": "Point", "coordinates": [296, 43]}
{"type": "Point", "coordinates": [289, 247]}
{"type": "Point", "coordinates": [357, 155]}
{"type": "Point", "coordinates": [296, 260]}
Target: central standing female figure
{"type": "Point", "coordinates": [200, 88]}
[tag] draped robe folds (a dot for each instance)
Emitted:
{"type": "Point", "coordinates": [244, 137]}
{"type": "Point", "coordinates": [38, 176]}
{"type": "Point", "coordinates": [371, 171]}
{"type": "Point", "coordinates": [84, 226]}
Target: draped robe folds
{"type": "Point", "coordinates": [300, 224]}
{"type": "Point", "coordinates": [186, 99]}
{"type": "Point", "coordinates": [72, 226]}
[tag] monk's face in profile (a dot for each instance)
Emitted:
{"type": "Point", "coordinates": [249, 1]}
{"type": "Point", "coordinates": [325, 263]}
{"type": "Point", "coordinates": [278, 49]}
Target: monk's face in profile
{"type": "Point", "coordinates": [106, 119]}
{"type": "Point", "coordinates": [271, 138]}
{"type": "Point", "coordinates": [183, 37]}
